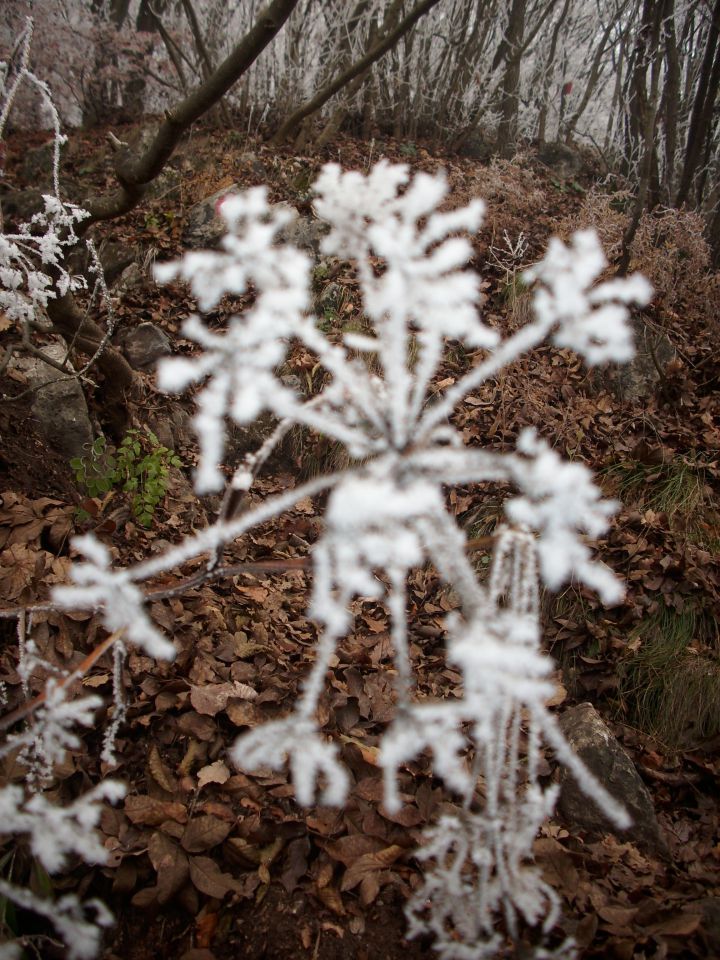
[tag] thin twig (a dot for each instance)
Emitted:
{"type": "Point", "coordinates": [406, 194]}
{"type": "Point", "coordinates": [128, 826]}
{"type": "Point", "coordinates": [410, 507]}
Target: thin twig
{"type": "Point", "coordinates": [10, 719]}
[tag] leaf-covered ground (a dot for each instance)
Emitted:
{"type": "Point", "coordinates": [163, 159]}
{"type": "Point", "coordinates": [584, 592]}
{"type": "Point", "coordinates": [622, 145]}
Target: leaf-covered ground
{"type": "Point", "coordinates": [208, 861]}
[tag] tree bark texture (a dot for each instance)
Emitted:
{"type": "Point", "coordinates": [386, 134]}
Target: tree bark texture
{"type": "Point", "coordinates": [507, 130]}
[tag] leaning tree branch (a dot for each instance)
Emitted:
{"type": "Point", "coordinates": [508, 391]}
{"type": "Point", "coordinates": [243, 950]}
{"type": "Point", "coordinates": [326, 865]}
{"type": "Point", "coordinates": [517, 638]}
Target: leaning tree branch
{"type": "Point", "coordinates": [354, 70]}
{"type": "Point", "coordinates": [135, 172]}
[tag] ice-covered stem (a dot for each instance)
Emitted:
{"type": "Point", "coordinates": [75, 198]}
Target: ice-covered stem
{"type": "Point", "coordinates": [119, 704]}
{"type": "Point", "coordinates": [24, 43]}
{"type": "Point", "coordinates": [209, 539]}
{"type": "Point", "coordinates": [70, 917]}
{"type": "Point", "coordinates": [397, 608]}
{"type": "Point", "coordinates": [97, 586]}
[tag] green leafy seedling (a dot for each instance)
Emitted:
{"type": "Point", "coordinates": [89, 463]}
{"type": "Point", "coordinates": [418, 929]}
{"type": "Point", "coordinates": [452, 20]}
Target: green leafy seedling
{"type": "Point", "coordinates": [140, 467]}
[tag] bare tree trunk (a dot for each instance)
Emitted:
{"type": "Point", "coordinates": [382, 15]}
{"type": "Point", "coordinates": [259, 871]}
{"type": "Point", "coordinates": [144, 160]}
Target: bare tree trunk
{"type": "Point", "coordinates": [206, 64]}
{"type": "Point", "coordinates": [357, 69]}
{"type": "Point", "coordinates": [670, 104]}
{"type": "Point", "coordinates": [134, 173]}
{"type": "Point", "coordinates": [701, 118]}
{"type": "Point", "coordinates": [592, 82]}
{"type": "Point", "coordinates": [647, 54]}
{"type": "Point", "coordinates": [507, 130]}
{"type": "Point", "coordinates": [332, 127]}
{"type": "Point", "coordinates": [547, 68]}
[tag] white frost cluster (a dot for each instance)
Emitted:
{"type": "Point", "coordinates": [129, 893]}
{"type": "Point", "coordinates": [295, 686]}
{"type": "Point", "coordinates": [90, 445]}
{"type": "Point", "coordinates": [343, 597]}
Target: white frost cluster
{"type": "Point", "coordinates": [44, 241]}
{"type": "Point", "coordinates": [424, 278]}
{"type": "Point", "coordinates": [373, 524]}
{"type": "Point", "coordinates": [592, 320]}
{"type": "Point", "coordinates": [51, 733]}
{"type": "Point", "coordinates": [239, 365]}
{"type": "Point", "coordinates": [310, 756]}
{"type": "Point", "coordinates": [56, 832]}
{"type": "Point", "coordinates": [559, 500]}
{"type": "Point", "coordinates": [387, 514]}
{"type": "Point", "coordinates": [113, 592]}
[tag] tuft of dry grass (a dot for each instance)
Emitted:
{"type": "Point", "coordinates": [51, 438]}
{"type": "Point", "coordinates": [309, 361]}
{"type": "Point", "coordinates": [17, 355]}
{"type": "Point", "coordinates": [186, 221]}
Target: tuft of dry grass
{"type": "Point", "coordinates": [669, 247]}
{"type": "Point", "coordinates": [670, 686]}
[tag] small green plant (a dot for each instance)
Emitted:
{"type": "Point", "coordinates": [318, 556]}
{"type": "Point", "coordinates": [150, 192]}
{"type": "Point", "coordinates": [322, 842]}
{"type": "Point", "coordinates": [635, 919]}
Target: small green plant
{"type": "Point", "coordinates": [140, 467]}
{"type": "Point", "coordinates": [408, 149]}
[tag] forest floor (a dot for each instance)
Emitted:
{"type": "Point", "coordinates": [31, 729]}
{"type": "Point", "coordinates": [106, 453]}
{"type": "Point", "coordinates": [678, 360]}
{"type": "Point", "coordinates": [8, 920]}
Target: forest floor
{"type": "Point", "coordinates": [206, 861]}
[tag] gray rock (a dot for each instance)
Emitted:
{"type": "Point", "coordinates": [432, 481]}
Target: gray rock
{"type": "Point", "coordinates": [162, 428]}
{"type": "Point", "coordinates": [144, 345]}
{"type": "Point", "coordinates": [304, 232]}
{"type": "Point", "coordinates": [132, 281]}
{"type": "Point", "coordinates": [330, 297]}
{"type": "Point", "coordinates": [115, 256]}
{"type": "Point", "coordinates": [204, 228]}
{"type": "Point", "coordinates": [166, 186]}
{"type": "Point", "coordinates": [593, 742]}
{"type": "Point", "coordinates": [59, 405]}
{"type": "Point", "coordinates": [257, 167]}
{"type": "Point", "coordinates": [19, 205]}
{"type": "Point", "coordinates": [563, 160]}
{"type": "Point", "coordinates": [182, 428]}
{"type": "Point", "coordinates": [36, 170]}
{"type": "Point", "coordinates": [477, 147]}
{"type": "Point", "coordinates": [641, 377]}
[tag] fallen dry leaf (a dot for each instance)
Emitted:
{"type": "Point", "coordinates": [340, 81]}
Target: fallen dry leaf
{"type": "Point", "coordinates": [214, 773]}
{"type": "Point", "coordinates": [203, 833]}
{"type": "Point", "coordinates": [210, 699]}
{"type": "Point", "coordinates": [366, 864]}
{"type": "Point", "coordinates": [209, 878]}
{"type": "Point", "coordinates": [149, 812]}
{"type": "Point", "coordinates": [171, 866]}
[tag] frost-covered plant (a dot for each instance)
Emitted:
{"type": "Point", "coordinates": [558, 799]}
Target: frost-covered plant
{"type": "Point", "coordinates": [33, 267]}
{"type": "Point", "coordinates": [54, 834]}
{"type": "Point", "coordinates": [33, 272]}
{"type": "Point", "coordinates": [42, 242]}
{"type": "Point", "coordinates": [387, 513]}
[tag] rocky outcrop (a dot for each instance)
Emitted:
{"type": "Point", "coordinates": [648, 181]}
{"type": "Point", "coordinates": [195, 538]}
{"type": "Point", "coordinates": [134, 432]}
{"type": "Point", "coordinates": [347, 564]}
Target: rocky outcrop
{"type": "Point", "coordinates": [144, 345]}
{"type": "Point", "coordinates": [593, 741]}
{"type": "Point", "coordinates": [561, 159]}
{"type": "Point", "coordinates": [204, 227]}
{"type": "Point", "coordinates": [642, 376]}
{"type": "Point", "coordinates": [58, 402]}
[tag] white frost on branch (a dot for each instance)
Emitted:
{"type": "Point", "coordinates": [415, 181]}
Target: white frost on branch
{"type": "Point", "coordinates": [298, 740]}
{"type": "Point", "coordinates": [51, 736]}
{"type": "Point", "coordinates": [56, 832]}
{"type": "Point", "coordinates": [112, 591]}
{"type": "Point", "coordinates": [45, 240]}
{"type": "Point", "coordinates": [591, 320]}
{"type": "Point", "coordinates": [559, 501]}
